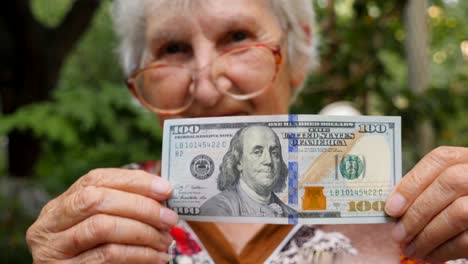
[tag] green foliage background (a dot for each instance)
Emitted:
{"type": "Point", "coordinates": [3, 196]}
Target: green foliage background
{"type": "Point", "coordinates": [92, 122]}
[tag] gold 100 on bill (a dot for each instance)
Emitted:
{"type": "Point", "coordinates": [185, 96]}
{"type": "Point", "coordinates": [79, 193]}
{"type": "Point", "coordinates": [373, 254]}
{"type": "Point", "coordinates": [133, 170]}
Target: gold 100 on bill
{"type": "Point", "coordinates": [282, 169]}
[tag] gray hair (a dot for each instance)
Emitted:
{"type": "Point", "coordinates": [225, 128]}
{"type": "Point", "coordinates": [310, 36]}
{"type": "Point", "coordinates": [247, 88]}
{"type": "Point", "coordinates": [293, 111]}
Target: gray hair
{"type": "Point", "coordinates": [229, 174]}
{"type": "Point", "coordinates": [129, 24]}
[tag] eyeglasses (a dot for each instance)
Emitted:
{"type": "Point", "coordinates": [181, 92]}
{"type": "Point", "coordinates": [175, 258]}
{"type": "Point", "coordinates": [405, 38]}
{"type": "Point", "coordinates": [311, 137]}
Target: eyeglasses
{"type": "Point", "coordinates": [241, 73]}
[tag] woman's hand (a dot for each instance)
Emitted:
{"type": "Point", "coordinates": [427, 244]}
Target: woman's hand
{"type": "Point", "coordinates": [107, 216]}
{"type": "Point", "coordinates": [432, 201]}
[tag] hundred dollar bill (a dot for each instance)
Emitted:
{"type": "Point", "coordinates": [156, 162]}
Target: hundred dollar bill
{"type": "Point", "coordinates": [285, 169]}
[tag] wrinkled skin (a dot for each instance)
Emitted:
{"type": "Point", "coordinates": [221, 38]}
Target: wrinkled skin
{"type": "Point", "coordinates": [432, 203]}
{"type": "Point", "coordinates": [107, 216]}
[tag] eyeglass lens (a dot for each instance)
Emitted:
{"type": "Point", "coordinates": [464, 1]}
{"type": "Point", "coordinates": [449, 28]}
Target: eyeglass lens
{"type": "Point", "coordinates": [240, 74]}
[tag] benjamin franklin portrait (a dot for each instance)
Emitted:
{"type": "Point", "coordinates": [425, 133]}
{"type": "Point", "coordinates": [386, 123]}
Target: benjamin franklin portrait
{"type": "Point", "coordinates": [252, 171]}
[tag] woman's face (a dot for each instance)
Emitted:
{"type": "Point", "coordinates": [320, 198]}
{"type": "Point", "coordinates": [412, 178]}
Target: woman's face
{"type": "Point", "coordinates": [200, 31]}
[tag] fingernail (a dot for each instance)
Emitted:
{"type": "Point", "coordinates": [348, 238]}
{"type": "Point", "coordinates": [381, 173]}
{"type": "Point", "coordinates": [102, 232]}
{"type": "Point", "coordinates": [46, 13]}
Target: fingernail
{"type": "Point", "coordinates": [167, 216]}
{"type": "Point", "coordinates": [409, 250]}
{"type": "Point", "coordinates": [399, 232]}
{"type": "Point", "coordinates": [161, 186]}
{"type": "Point", "coordinates": [395, 204]}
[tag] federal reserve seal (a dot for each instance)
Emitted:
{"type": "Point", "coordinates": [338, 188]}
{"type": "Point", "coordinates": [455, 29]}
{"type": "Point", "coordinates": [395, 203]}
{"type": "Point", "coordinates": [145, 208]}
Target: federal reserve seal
{"type": "Point", "coordinates": [351, 167]}
{"type": "Point", "coordinates": [202, 167]}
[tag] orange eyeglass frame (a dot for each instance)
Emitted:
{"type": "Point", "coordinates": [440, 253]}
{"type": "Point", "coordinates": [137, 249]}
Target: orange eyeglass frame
{"type": "Point", "coordinates": [130, 82]}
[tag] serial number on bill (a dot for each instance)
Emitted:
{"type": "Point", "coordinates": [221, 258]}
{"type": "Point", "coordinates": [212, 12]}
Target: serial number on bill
{"type": "Point", "coordinates": [355, 192]}
{"type": "Point", "coordinates": [200, 144]}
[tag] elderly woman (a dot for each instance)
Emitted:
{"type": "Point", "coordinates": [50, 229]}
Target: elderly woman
{"type": "Point", "coordinates": [217, 58]}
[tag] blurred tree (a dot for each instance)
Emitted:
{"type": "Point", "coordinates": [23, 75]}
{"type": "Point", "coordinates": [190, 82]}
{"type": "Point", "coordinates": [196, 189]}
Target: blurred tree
{"type": "Point", "coordinates": [32, 57]}
{"type": "Point", "coordinates": [90, 121]}
{"type": "Point", "coordinates": [356, 39]}
{"type": "Point", "coordinates": [417, 53]}
{"type": "Point", "coordinates": [364, 61]}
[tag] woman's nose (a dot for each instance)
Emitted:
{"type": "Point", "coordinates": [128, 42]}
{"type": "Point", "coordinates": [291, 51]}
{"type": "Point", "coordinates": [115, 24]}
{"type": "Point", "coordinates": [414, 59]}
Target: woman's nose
{"type": "Point", "coordinates": [206, 92]}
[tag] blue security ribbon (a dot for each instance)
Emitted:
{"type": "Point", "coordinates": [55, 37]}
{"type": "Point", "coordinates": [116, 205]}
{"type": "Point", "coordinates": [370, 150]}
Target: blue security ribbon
{"type": "Point", "coordinates": [293, 171]}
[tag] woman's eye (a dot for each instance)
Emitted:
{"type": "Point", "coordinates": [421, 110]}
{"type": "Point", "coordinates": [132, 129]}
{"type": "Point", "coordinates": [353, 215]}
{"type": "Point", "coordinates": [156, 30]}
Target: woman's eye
{"type": "Point", "coordinates": [171, 49]}
{"type": "Point", "coordinates": [238, 36]}
{"type": "Point", "coordinates": [175, 48]}
{"type": "Point", "coordinates": [174, 52]}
